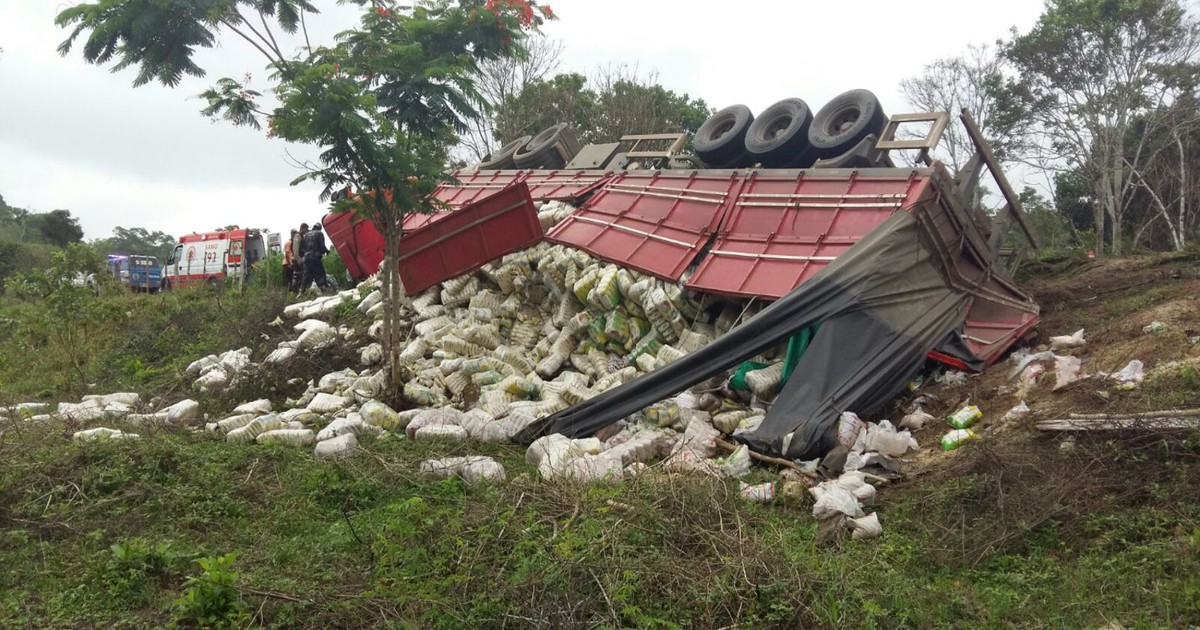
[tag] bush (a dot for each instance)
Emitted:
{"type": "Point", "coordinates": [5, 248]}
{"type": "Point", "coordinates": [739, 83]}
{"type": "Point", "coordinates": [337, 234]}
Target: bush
{"type": "Point", "coordinates": [336, 268]}
{"type": "Point", "coordinates": [267, 274]}
{"type": "Point", "coordinates": [212, 599]}
{"type": "Point", "coordinates": [136, 570]}
{"type": "Point", "coordinates": [18, 258]}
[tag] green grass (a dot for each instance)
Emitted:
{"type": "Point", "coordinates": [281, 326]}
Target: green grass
{"type": "Point", "coordinates": [141, 342]}
{"type": "Point", "coordinates": [106, 534]}
{"type": "Point", "coordinates": [1139, 301]}
{"type": "Point", "coordinates": [1005, 533]}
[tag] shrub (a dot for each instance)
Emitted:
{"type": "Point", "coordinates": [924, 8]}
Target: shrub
{"type": "Point", "coordinates": [212, 599]}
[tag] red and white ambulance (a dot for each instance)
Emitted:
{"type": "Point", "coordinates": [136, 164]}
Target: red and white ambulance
{"type": "Point", "coordinates": [213, 258]}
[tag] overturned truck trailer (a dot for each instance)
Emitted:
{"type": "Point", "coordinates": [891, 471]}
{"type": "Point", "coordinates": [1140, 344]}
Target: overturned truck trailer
{"type": "Point", "coordinates": [889, 264]}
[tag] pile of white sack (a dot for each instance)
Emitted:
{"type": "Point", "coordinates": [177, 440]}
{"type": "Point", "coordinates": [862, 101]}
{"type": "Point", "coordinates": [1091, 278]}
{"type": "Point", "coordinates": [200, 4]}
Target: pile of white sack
{"type": "Point", "coordinates": [99, 408]}
{"type": "Point", "coordinates": [490, 352]}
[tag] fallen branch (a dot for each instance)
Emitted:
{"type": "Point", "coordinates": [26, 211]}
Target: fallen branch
{"type": "Point", "coordinates": [775, 461]}
{"type": "Point", "coordinates": [1122, 423]}
{"type": "Point", "coordinates": [273, 595]}
{"type": "Point", "coordinates": [1169, 413]}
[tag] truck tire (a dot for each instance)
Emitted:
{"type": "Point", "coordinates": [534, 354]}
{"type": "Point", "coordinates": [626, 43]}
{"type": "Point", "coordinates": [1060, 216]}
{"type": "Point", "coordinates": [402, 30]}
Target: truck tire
{"type": "Point", "coordinates": [778, 138]}
{"type": "Point", "coordinates": [844, 122]}
{"type": "Point", "coordinates": [502, 158]}
{"type": "Point", "coordinates": [721, 140]}
{"type": "Point", "coordinates": [542, 151]}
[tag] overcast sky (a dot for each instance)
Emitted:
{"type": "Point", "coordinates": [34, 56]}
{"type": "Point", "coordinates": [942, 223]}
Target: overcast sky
{"type": "Point", "coordinates": [78, 137]}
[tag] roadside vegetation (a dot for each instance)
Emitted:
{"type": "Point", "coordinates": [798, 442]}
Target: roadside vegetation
{"type": "Point", "coordinates": [1021, 529]}
{"type": "Point", "coordinates": [181, 528]}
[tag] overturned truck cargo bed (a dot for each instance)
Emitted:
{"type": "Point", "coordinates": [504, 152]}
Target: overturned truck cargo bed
{"type": "Point", "coordinates": [910, 286]}
{"type": "Point", "coordinates": [442, 245]}
{"type": "Point", "coordinates": [889, 265]}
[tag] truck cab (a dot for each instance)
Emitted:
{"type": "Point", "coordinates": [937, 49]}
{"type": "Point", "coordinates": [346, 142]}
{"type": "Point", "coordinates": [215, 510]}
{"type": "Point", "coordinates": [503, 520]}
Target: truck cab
{"type": "Point", "coordinates": [136, 272]}
{"type": "Point", "coordinates": [144, 273]}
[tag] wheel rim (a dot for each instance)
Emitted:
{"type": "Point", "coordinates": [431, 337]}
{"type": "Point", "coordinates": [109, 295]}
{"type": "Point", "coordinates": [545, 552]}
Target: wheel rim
{"type": "Point", "coordinates": [722, 129]}
{"type": "Point", "coordinates": [843, 120]}
{"type": "Point", "coordinates": [777, 126]}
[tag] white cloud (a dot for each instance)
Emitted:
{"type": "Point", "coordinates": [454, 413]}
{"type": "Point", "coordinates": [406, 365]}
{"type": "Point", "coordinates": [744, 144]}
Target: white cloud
{"type": "Point", "coordinates": [76, 136]}
{"type": "Point", "coordinates": [110, 199]}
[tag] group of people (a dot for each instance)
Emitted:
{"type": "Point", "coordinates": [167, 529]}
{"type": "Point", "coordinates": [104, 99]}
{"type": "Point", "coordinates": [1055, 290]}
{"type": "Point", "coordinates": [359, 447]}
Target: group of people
{"type": "Point", "coordinates": [302, 255]}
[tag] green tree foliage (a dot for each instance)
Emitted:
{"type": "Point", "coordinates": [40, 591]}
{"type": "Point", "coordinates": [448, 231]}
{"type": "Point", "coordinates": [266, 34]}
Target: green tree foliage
{"type": "Point", "coordinates": [1072, 198]}
{"type": "Point", "coordinates": [15, 225]}
{"type": "Point", "coordinates": [1087, 71]}
{"type": "Point", "coordinates": [161, 38]}
{"type": "Point", "coordinates": [23, 257]}
{"type": "Point", "coordinates": [24, 245]}
{"type": "Point", "coordinates": [561, 98]}
{"type": "Point", "coordinates": [1052, 226]}
{"type": "Point", "coordinates": [613, 103]}
{"type": "Point", "coordinates": [384, 102]}
{"type": "Point", "coordinates": [136, 241]}
{"type": "Point", "coordinates": [58, 227]}
{"type": "Point", "coordinates": [73, 309]}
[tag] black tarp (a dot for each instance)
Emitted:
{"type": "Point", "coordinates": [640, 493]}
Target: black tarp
{"type": "Point", "coordinates": [955, 346]}
{"type": "Point", "coordinates": [857, 362]}
{"type": "Point", "coordinates": [882, 306]}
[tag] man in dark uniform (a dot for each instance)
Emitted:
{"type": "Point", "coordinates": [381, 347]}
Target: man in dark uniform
{"type": "Point", "coordinates": [298, 258]}
{"type": "Point", "coordinates": [314, 249]}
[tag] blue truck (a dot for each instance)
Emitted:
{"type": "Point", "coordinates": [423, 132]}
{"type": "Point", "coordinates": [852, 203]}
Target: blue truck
{"type": "Point", "coordinates": [139, 273]}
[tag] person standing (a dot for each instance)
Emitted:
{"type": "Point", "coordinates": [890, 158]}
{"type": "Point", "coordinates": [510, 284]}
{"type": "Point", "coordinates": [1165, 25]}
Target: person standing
{"type": "Point", "coordinates": [298, 257]}
{"type": "Point", "coordinates": [314, 249]}
{"type": "Point", "coordinates": [289, 261]}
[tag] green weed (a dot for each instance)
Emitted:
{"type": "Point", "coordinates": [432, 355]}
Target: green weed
{"type": "Point", "coordinates": [212, 599]}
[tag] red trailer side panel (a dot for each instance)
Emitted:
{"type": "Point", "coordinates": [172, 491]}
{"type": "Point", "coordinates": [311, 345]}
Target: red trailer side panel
{"type": "Point", "coordinates": [564, 185]}
{"type": "Point", "coordinates": [543, 185]}
{"type": "Point", "coordinates": [783, 228]}
{"type": "Point", "coordinates": [655, 222]}
{"type": "Point", "coordinates": [357, 241]}
{"type": "Point", "coordinates": [473, 186]}
{"type": "Point", "coordinates": [450, 244]}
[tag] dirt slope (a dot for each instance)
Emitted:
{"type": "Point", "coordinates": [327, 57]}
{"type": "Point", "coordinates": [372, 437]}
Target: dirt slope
{"type": "Point", "coordinates": [1112, 300]}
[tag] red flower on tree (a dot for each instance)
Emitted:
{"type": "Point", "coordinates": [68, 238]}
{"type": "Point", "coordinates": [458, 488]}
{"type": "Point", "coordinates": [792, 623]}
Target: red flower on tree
{"type": "Point", "coordinates": [524, 9]}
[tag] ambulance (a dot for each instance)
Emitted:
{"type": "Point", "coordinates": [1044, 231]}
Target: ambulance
{"type": "Point", "coordinates": [214, 258]}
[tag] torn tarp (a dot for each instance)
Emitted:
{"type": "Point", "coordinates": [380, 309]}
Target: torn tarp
{"type": "Point", "coordinates": [882, 306]}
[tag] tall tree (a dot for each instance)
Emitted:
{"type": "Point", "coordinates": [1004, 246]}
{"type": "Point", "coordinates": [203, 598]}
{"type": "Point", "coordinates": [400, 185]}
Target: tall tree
{"type": "Point", "coordinates": [384, 101]}
{"type": "Point", "coordinates": [973, 80]}
{"type": "Point", "coordinates": [545, 102]}
{"type": "Point", "coordinates": [1052, 226]}
{"type": "Point", "coordinates": [136, 241]}
{"type": "Point", "coordinates": [1087, 70]}
{"type": "Point", "coordinates": [161, 38]}
{"type": "Point", "coordinates": [1166, 179]}
{"type": "Point", "coordinates": [501, 79]}
{"type": "Point", "coordinates": [1073, 198]}
{"type": "Point", "coordinates": [614, 102]}
{"type": "Point", "coordinates": [58, 227]}
{"type": "Point", "coordinates": [636, 104]}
